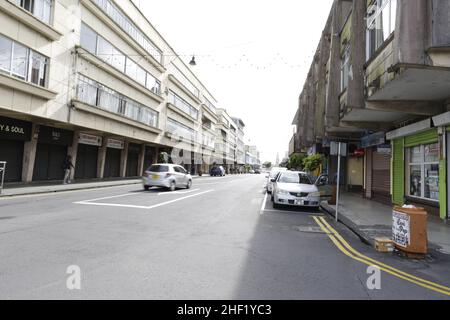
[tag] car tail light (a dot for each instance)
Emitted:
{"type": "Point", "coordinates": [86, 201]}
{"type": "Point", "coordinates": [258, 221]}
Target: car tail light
{"type": "Point", "coordinates": [168, 175]}
{"type": "Point", "coordinates": [146, 174]}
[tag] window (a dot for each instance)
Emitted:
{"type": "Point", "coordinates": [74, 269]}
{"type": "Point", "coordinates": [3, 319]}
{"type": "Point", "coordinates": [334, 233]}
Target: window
{"type": "Point", "coordinates": [292, 177]}
{"type": "Point", "coordinates": [41, 9]}
{"type": "Point", "coordinates": [38, 69]}
{"type": "Point", "coordinates": [180, 129]}
{"type": "Point", "coordinates": [5, 54]}
{"type": "Point", "coordinates": [95, 94]}
{"type": "Point", "coordinates": [381, 17]}
{"type": "Point", "coordinates": [423, 171]}
{"type": "Point", "coordinates": [181, 104]}
{"type": "Point", "coordinates": [88, 39]}
{"type": "Point", "coordinates": [100, 47]}
{"type": "Point", "coordinates": [123, 22]}
{"type": "Point", "coordinates": [105, 50]}
{"type": "Point", "coordinates": [135, 72]}
{"type": "Point", "coordinates": [21, 62]}
{"type": "Point", "coordinates": [345, 68]}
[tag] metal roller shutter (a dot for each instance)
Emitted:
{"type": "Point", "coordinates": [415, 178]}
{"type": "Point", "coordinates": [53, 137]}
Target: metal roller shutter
{"type": "Point", "coordinates": [381, 176]}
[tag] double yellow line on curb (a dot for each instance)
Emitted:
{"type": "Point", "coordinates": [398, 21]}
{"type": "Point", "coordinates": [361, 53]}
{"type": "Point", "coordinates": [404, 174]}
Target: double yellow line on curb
{"type": "Point", "coordinates": [345, 247]}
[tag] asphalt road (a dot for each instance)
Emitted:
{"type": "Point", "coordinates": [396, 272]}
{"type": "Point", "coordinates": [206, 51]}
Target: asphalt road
{"type": "Point", "coordinates": [219, 240]}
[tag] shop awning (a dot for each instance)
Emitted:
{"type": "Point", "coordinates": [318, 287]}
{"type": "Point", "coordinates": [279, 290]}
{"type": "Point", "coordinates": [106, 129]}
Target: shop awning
{"type": "Point", "coordinates": [409, 130]}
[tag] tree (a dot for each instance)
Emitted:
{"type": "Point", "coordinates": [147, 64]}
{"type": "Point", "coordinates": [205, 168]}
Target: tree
{"type": "Point", "coordinates": [284, 163]}
{"type": "Point", "coordinates": [296, 161]}
{"type": "Point", "coordinates": [267, 164]}
{"type": "Point", "coordinates": [163, 157]}
{"type": "Point", "coordinates": [312, 163]}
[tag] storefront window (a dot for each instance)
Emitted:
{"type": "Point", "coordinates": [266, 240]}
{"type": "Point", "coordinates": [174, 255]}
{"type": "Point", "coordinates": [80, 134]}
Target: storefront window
{"type": "Point", "coordinates": [423, 171]}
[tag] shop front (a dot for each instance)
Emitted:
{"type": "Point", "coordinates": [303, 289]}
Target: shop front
{"type": "Point", "coordinates": [355, 168]}
{"type": "Point", "coordinates": [134, 151]}
{"type": "Point", "coordinates": [51, 151]}
{"type": "Point", "coordinates": [13, 135]}
{"type": "Point", "coordinates": [417, 168]}
{"type": "Point", "coordinates": [377, 183]}
{"type": "Point", "coordinates": [87, 156]}
{"type": "Point", "coordinates": [112, 159]}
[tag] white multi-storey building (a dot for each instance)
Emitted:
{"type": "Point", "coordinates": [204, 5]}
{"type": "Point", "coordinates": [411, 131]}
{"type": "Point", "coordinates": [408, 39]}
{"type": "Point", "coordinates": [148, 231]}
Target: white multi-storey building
{"type": "Point", "coordinates": [95, 80]}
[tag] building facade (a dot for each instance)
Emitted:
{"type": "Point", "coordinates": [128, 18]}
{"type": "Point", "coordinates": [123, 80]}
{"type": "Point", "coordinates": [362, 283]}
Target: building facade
{"type": "Point", "coordinates": [95, 80]}
{"type": "Point", "coordinates": [380, 81]}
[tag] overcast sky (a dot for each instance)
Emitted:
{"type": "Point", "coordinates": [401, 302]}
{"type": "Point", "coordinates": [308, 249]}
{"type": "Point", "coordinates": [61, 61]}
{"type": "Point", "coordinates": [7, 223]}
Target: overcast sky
{"type": "Point", "coordinates": [252, 55]}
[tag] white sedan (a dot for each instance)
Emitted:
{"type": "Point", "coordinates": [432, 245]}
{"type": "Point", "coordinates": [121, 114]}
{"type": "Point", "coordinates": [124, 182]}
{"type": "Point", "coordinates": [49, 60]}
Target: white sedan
{"type": "Point", "coordinates": [272, 175]}
{"type": "Point", "coordinates": [169, 176]}
{"type": "Point", "coordinates": [294, 188]}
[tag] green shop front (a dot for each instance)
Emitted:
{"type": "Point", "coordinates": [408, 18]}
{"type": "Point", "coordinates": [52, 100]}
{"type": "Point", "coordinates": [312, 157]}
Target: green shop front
{"type": "Point", "coordinates": [419, 167]}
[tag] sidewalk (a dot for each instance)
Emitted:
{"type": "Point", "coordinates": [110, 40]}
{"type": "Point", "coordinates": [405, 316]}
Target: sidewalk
{"type": "Point", "coordinates": [21, 189]}
{"type": "Point", "coordinates": [370, 219]}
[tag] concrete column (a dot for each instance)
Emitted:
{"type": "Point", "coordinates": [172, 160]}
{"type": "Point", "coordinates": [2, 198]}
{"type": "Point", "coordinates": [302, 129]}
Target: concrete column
{"type": "Point", "coordinates": [72, 151]}
{"type": "Point", "coordinates": [355, 89]}
{"type": "Point", "coordinates": [141, 160]}
{"type": "Point", "coordinates": [123, 160]}
{"type": "Point", "coordinates": [29, 155]}
{"type": "Point", "coordinates": [102, 158]}
{"type": "Point", "coordinates": [412, 31]}
{"type": "Point", "coordinates": [334, 82]}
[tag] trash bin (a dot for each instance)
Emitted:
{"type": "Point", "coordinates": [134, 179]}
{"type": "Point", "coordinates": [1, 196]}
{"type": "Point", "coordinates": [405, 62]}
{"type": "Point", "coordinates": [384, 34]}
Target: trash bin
{"type": "Point", "coordinates": [409, 229]}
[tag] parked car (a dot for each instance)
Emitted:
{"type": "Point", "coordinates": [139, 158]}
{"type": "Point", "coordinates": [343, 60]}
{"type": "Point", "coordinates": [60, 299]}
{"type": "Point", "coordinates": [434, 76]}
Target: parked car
{"type": "Point", "coordinates": [272, 175]}
{"type": "Point", "coordinates": [257, 171]}
{"type": "Point", "coordinates": [217, 171]}
{"type": "Point", "coordinates": [295, 188]}
{"type": "Point", "coordinates": [169, 176]}
{"type": "Point", "coordinates": [251, 171]}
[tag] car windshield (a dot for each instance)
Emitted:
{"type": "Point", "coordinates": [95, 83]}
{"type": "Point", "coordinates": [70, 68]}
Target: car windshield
{"type": "Point", "coordinates": [294, 177]}
{"type": "Point", "coordinates": [158, 168]}
{"type": "Point", "coordinates": [274, 173]}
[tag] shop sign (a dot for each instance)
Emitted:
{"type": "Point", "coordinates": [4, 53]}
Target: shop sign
{"type": "Point", "coordinates": [90, 140]}
{"type": "Point", "coordinates": [373, 140]}
{"type": "Point", "coordinates": [115, 144]}
{"type": "Point", "coordinates": [384, 149]}
{"type": "Point", "coordinates": [12, 129]}
{"type": "Point", "coordinates": [401, 229]}
{"type": "Point", "coordinates": [55, 136]}
{"type": "Point", "coordinates": [359, 153]}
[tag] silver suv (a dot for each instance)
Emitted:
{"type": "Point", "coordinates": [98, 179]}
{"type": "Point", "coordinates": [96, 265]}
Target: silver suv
{"type": "Point", "coordinates": [169, 176]}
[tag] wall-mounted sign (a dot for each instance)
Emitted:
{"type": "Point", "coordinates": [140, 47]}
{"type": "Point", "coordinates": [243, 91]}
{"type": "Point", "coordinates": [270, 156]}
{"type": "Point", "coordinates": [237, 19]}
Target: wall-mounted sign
{"type": "Point", "coordinates": [373, 140]}
{"type": "Point", "coordinates": [55, 136]}
{"type": "Point", "coordinates": [384, 149]}
{"type": "Point", "coordinates": [115, 144]}
{"type": "Point", "coordinates": [334, 148]}
{"type": "Point", "coordinates": [12, 129]}
{"type": "Point", "coordinates": [359, 153]}
{"type": "Point", "coordinates": [90, 139]}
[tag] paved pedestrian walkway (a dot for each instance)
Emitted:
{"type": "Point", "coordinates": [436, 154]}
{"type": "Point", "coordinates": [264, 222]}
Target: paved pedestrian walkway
{"type": "Point", "coordinates": [370, 219]}
{"type": "Point", "coordinates": [29, 189]}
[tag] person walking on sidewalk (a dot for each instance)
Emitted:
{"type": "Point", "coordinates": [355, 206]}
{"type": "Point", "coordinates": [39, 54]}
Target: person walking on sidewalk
{"type": "Point", "coordinates": [67, 166]}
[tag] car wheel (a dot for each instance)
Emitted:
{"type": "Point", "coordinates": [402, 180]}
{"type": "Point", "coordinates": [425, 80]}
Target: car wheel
{"type": "Point", "coordinates": [189, 184]}
{"type": "Point", "coordinates": [173, 186]}
{"type": "Point", "coordinates": [146, 188]}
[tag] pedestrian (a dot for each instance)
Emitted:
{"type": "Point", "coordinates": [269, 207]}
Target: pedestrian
{"type": "Point", "coordinates": [67, 167]}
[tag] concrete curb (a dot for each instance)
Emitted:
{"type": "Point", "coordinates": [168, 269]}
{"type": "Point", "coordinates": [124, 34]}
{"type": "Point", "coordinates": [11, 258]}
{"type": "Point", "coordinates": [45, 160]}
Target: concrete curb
{"type": "Point", "coordinates": [73, 187]}
{"type": "Point", "coordinates": [348, 223]}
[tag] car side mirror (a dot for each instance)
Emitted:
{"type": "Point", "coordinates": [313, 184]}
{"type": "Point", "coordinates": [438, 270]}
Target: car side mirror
{"type": "Point", "coordinates": [273, 180]}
